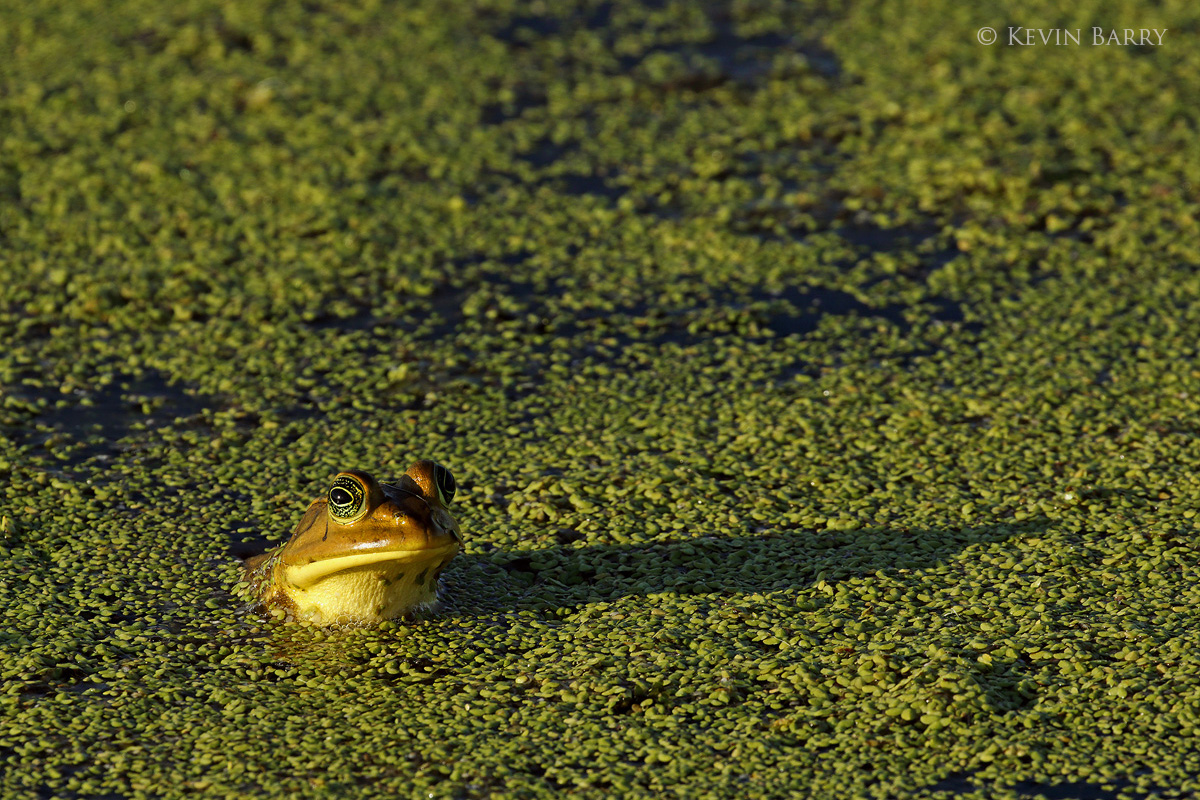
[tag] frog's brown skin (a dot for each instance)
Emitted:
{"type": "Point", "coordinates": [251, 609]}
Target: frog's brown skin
{"type": "Point", "coordinates": [365, 552]}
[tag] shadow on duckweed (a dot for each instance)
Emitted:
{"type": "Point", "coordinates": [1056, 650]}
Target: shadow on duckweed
{"type": "Point", "coordinates": [961, 783]}
{"type": "Point", "coordinates": [563, 577]}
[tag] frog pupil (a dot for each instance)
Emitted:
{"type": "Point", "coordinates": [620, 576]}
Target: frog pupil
{"type": "Point", "coordinates": [340, 496]}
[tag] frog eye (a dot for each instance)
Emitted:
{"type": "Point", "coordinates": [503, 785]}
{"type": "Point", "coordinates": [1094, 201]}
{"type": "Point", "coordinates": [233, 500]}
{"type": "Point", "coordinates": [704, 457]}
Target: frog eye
{"type": "Point", "coordinates": [347, 499]}
{"type": "Point", "coordinates": [445, 484]}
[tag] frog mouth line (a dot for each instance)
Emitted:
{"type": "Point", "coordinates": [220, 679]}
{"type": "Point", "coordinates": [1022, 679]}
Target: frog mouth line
{"type": "Point", "coordinates": [303, 577]}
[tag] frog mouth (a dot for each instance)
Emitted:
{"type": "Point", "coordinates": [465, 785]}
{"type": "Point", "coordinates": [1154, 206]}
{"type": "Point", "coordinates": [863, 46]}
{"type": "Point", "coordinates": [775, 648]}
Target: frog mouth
{"type": "Point", "coordinates": [304, 576]}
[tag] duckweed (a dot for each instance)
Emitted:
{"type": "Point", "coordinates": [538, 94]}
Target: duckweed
{"type": "Point", "coordinates": [821, 385]}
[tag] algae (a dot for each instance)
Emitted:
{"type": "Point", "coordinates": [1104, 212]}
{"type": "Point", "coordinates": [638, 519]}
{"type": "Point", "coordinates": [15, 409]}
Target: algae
{"type": "Point", "coordinates": [820, 383]}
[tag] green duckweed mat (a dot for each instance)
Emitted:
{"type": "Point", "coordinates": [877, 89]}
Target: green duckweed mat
{"type": "Point", "coordinates": [821, 385]}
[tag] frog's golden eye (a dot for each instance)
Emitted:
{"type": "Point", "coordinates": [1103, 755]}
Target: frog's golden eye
{"type": "Point", "coordinates": [445, 484]}
{"type": "Point", "coordinates": [347, 499]}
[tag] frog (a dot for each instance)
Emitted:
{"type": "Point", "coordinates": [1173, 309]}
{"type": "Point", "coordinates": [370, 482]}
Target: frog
{"type": "Point", "coordinates": [365, 552]}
